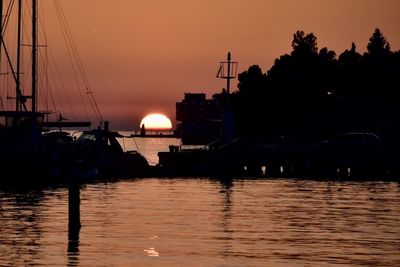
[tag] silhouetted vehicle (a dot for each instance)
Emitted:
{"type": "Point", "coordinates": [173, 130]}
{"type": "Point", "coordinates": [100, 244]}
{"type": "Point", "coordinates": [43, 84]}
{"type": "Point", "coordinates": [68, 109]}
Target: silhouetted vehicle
{"type": "Point", "coordinates": [362, 153]}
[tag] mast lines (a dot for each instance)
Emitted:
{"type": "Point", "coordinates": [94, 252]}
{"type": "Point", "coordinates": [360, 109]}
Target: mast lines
{"type": "Point", "coordinates": [1, 27]}
{"type": "Point", "coordinates": [18, 81]}
{"type": "Point", "coordinates": [34, 54]}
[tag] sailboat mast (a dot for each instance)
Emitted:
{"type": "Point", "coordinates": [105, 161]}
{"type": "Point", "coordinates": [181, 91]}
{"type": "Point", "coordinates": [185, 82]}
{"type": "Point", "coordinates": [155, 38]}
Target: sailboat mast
{"type": "Point", "coordinates": [1, 25]}
{"type": "Point", "coordinates": [18, 95]}
{"type": "Point", "coordinates": [1, 29]}
{"type": "Point", "coordinates": [34, 54]}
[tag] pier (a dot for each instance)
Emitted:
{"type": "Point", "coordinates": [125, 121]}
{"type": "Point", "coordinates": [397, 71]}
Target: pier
{"type": "Point", "coordinates": [155, 135]}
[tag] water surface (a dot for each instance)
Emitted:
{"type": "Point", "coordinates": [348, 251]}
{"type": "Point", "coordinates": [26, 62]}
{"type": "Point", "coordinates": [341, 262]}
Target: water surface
{"type": "Point", "coordinates": [206, 222]}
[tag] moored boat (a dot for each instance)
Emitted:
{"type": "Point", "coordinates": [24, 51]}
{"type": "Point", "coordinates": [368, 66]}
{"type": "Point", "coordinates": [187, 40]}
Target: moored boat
{"type": "Point", "coordinates": [101, 149]}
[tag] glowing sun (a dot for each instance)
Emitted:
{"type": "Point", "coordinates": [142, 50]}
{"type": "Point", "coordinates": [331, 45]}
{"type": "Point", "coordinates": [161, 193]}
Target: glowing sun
{"type": "Point", "coordinates": [156, 122]}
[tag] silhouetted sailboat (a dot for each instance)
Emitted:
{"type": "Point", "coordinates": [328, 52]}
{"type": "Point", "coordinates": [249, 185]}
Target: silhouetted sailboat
{"type": "Point", "coordinates": [28, 155]}
{"type": "Point", "coordinates": [22, 147]}
{"type": "Point", "coordinates": [25, 154]}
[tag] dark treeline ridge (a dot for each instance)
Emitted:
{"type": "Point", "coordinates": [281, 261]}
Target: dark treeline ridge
{"type": "Point", "coordinates": [312, 94]}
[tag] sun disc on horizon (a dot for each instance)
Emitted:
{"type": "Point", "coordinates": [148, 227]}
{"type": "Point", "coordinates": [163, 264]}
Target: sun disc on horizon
{"type": "Point", "coordinates": [156, 122]}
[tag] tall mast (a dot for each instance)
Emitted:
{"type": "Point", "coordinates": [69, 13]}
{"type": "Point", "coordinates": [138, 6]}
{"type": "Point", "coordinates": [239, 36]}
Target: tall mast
{"type": "Point", "coordinates": [1, 26]}
{"type": "Point", "coordinates": [34, 54]}
{"type": "Point", "coordinates": [1, 30]}
{"type": "Point", "coordinates": [18, 96]}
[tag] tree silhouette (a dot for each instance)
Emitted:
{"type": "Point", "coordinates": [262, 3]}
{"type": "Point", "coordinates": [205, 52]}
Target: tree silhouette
{"type": "Point", "coordinates": [309, 94]}
{"type": "Point", "coordinates": [378, 46]}
{"type": "Point", "coordinates": [303, 44]}
{"type": "Point", "coordinates": [379, 79]}
{"type": "Point", "coordinates": [349, 63]}
{"type": "Point", "coordinates": [252, 81]}
{"type": "Point", "coordinates": [249, 100]}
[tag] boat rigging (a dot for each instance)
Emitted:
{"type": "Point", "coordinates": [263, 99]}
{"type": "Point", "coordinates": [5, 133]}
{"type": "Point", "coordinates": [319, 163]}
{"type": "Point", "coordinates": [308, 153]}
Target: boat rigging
{"type": "Point", "coordinates": [39, 68]}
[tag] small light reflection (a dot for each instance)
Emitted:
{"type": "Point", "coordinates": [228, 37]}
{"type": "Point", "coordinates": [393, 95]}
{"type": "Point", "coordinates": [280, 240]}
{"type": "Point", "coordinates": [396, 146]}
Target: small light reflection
{"type": "Point", "coordinates": [264, 170]}
{"type": "Point", "coordinates": [153, 237]}
{"type": "Point", "coordinates": [151, 252]}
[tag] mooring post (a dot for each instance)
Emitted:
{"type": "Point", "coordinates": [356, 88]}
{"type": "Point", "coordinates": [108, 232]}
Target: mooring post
{"type": "Point", "coordinates": [74, 217]}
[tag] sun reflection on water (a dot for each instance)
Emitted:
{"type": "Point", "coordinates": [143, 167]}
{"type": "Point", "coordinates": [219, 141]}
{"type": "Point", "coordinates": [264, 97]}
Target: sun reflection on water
{"type": "Point", "coordinates": [151, 252]}
{"type": "Point", "coordinates": [206, 222]}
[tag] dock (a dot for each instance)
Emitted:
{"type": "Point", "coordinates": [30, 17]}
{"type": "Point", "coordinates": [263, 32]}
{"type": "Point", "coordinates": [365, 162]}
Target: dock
{"type": "Point", "coordinates": [158, 135]}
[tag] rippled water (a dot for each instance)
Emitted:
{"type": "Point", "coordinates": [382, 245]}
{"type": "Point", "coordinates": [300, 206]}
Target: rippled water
{"type": "Point", "coordinates": [204, 222]}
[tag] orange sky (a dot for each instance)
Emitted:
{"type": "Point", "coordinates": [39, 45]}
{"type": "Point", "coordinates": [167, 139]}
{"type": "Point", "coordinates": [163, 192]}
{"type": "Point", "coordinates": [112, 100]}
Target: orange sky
{"type": "Point", "coordinates": [141, 56]}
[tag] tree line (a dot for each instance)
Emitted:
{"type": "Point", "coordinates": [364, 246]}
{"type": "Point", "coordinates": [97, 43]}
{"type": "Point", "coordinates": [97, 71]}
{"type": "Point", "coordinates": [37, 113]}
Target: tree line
{"type": "Point", "coordinates": [312, 94]}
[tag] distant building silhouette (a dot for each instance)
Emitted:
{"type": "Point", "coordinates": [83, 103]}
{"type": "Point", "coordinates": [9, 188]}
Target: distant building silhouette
{"type": "Point", "coordinates": [199, 118]}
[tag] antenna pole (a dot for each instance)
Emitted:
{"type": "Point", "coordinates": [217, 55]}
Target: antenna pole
{"type": "Point", "coordinates": [34, 54]}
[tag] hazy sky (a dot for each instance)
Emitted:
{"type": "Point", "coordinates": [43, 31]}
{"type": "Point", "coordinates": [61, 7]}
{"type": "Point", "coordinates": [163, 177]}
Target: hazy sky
{"type": "Point", "coordinates": [141, 56]}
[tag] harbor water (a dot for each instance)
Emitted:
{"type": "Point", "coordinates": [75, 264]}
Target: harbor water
{"type": "Point", "coordinates": [204, 222]}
